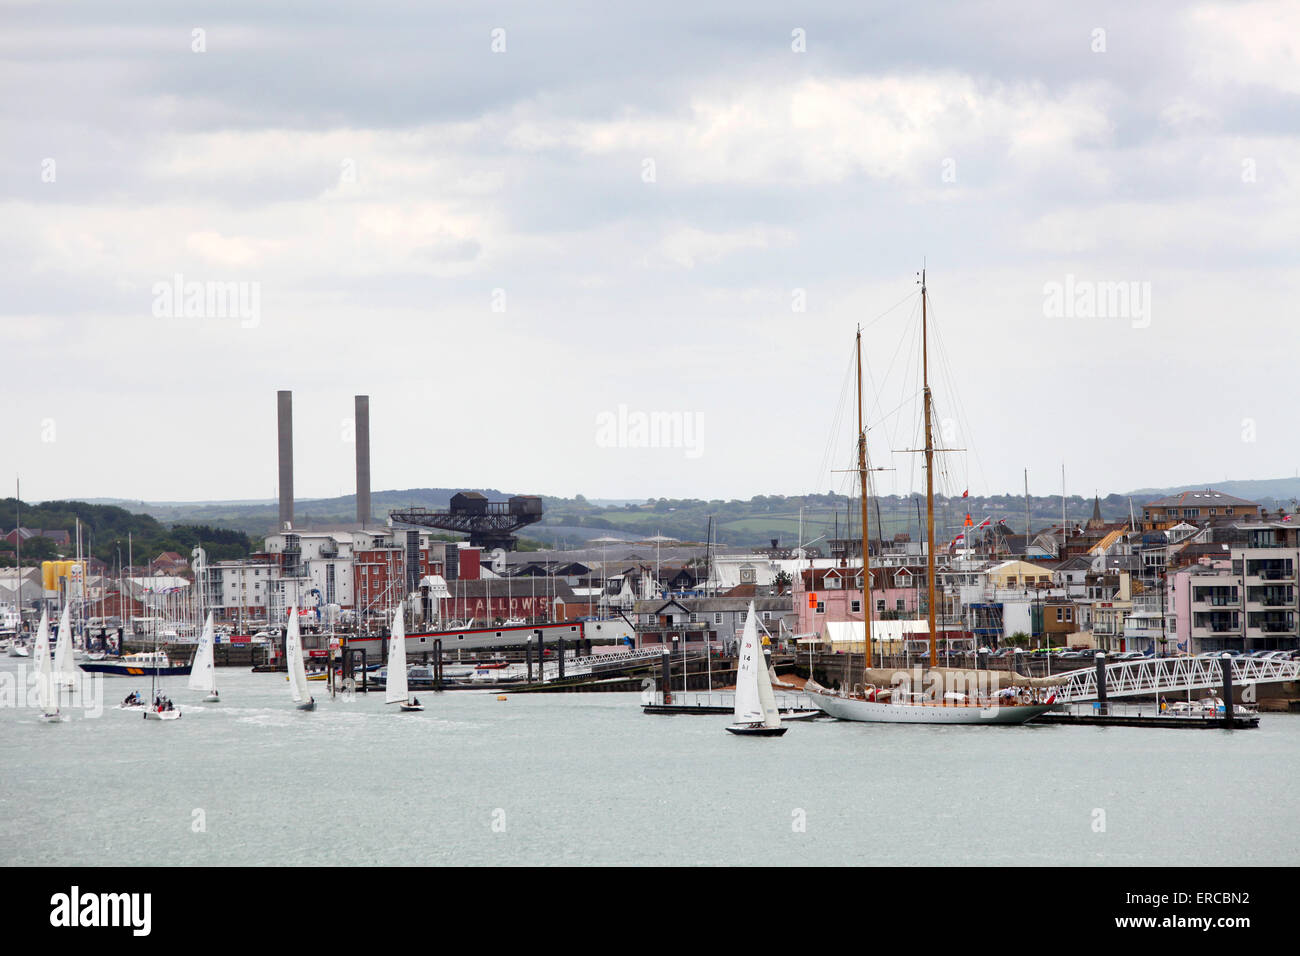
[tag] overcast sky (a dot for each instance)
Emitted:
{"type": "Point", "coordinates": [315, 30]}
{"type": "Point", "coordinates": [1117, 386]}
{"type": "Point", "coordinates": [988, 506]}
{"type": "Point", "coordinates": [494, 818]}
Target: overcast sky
{"type": "Point", "coordinates": [664, 208]}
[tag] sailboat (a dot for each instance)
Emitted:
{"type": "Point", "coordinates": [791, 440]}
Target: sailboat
{"type": "Point", "coordinates": [756, 714]}
{"type": "Point", "coordinates": [65, 669]}
{"type": "Point", "coordinates": [395, 690]}
{"type": "Point", "coordinates": [297, 669]}
{"type": "Point", "coordinates": [46, 691]}
{"type": "Point", "coordinates": [203, 672]}
{"type": "Point", "coordinates": [899, 705]}
{"type": "Point", "coordinates": [159, 708]}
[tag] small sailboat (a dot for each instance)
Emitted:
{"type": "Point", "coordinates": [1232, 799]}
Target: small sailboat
{"type": "Point", "coordinates": [395, 689]}
{"type": "Point", "coordinates": [297, 668]}
{"type": "Point", "coordinates": [203, 671]}
{"type": "Point", "coordinates": [45, 687]}
{"type": "Point", "coordinates": [65, 668]}
{"type": "Point", "coordinates": [160, 706]}
{"type": "Point", "coordinates": [756, 713]}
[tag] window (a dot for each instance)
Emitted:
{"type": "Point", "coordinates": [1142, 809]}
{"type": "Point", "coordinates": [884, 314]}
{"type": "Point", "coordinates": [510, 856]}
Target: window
{"type": "Point", "coordinates": [855, 607]}
{"type": "Point", "coordinates": [880, 605]}
{"type": "Point", "coordinates": [717, 617]}
{"type": "Point", "coordinates": [899, 606]}
{"type": "Point", "coordinates": [1060, 615]}
{"type": "Point", "coordinates": [821, 607]}
{"type": "Point", "coordinates": [767, 615]}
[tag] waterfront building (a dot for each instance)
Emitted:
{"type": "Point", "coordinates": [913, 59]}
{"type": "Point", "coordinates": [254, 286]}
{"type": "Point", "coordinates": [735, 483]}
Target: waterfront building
{"type": "Point", "coordinates": [1203, 506]}
{"type": "Point", "coordinates": [715, 622]}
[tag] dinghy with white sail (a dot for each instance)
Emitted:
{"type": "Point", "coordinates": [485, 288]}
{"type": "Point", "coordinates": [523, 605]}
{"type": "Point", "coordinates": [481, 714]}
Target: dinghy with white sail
{"type": "Point", "coordinates": [203, 671]}
{"type": "Point", "coordinates": [46, 690]}
{"type": "Point", "coordinates": [756, 713]}
{"type": "Point", "coordinates": [297, 668]}
{"type": "Point", "coordinates": [395, 687]}
{"type": "Point", "coordinates": [65, 668]}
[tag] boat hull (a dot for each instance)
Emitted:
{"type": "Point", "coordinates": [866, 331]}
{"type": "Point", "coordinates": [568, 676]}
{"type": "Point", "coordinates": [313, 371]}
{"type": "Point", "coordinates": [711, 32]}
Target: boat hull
{"type": "Point", "coordinates": [212, 699]}
{"type": "Point", "coordinates": [307, 705]}
{"type": "Point", "coordinates": [162, 715]}
{"type": "Point", "coordinates": [868, 711]}
{"type": "Point", "coordinates": [411, 708]}
{"type": "Point", "coordinates": [747, 731]}
{"type": "Point", "coordinates": [117, 669]}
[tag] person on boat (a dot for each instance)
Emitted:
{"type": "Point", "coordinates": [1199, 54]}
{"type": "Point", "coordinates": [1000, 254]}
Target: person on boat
{"type": "Point", "coordinates": [415, 702]}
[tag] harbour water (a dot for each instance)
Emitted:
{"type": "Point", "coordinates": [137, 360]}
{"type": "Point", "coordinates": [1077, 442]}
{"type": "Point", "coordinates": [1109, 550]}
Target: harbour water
{"type": "Point", "coordinates": [587, 778]}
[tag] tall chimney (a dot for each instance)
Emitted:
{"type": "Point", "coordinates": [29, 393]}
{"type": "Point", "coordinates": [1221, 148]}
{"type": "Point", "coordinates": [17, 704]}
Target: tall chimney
{"type": "Point", "coordinates": [284, 400]}
{"type": "Point", "coordinates": [362, 422]}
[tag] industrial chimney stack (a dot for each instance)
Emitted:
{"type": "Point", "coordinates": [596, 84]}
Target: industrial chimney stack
{"type": "Point", "coordinates": [362, 419]}
{"type": "Point", "coordinates": [284, 401]}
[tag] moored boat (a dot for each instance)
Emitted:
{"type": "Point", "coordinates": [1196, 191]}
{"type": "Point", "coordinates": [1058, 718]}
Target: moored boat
{"type": "Point", "coordinates": [896, 704]}
{"type": "Point", "coordinates": [143, 664]}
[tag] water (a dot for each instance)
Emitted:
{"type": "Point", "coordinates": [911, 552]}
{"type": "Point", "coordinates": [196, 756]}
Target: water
{"type": "Point", "coordinates": [587, 778]}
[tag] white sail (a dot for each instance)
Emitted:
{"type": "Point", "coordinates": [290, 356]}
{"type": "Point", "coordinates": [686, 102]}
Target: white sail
{"type": "Point", "coordinates": [65, 669]}
{"type": "Point", "coordinates": [203, 672]}
{"type": "Point", "coordinates": [755, 700]}
{"type": "Point", "coordinates": [395, 690]}
{"type": "Point", "coordinates": [44, 674]}
{"type": "Point", "coordinates": [293, 653]}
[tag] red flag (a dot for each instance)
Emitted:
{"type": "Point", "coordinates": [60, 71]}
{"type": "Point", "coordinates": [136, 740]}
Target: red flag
{"type": "Point", "coordinates": [965, 493]}
{"type": "Point", "coordinates": [985, 523]}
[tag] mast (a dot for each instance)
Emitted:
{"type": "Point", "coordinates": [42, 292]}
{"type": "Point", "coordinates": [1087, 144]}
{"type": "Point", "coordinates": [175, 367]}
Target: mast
{"type": "Point", "coordinates": [929, 477]}
{"type": "Point", "coordinates": [1027, 531]}
{"type": "Point", "coordinates": [18, 543]}
{"type": "Point", "coordinates": [866, 557]}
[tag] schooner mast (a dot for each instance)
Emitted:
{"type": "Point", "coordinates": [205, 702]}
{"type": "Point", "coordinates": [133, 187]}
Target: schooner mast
{"type": "Point", "coordinates": [929, 478]}
{"type": "Point", "coordinates": [866, 559]}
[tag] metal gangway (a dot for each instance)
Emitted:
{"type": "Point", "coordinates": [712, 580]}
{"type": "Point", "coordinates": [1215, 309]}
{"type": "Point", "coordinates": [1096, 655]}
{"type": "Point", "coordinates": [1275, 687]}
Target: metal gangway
{"type": "Point", "coordinates": [1172, 675]}
{"type": "Point", "coordinates": [592, 664]}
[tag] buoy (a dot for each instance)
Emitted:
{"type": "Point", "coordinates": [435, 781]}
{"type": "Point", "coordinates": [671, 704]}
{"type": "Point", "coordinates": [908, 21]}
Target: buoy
{"type": "Point", "coordinates": [501, 696]}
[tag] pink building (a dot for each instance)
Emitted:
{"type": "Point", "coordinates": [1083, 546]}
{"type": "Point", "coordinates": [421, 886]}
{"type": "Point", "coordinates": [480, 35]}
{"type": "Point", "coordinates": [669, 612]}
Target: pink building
{"type": "Point", "coordinates": [835, 594]}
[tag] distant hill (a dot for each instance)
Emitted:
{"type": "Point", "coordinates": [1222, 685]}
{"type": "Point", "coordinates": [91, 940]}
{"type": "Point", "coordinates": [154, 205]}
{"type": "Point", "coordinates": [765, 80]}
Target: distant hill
{"type": "Point", "coordinates": [746, 523]}
{"type": "Point", "coordinates": [1279, 490]}
{"type": "Point", "coordinates": [258, 518]}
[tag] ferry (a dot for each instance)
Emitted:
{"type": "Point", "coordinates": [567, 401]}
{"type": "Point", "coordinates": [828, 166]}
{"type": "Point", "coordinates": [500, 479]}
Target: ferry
{"type": "Point", "coordinates": [136, 665]}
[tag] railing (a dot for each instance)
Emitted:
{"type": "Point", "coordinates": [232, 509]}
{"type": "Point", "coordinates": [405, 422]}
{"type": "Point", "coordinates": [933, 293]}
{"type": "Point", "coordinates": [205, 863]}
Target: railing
{"type": "Point", "coordinates": [1168, 674]}
{"type": "Point", "coordinates": [785, 700]}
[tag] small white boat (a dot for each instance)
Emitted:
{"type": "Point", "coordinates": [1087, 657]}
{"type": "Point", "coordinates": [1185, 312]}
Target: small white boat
{"type": "Point", "coordinates": [152, 714]}
{"type": "Point", "coordinates": [297, 668]}
{"type": "Point", "coordinates": [203, 671]}
{"type": "Point", "coordinates": [395, 686]}
{"type": "Point", "coordinates": [46, 689]}
{"type": "Point", "coordinates": [756, 713]}
{"type": "Point", "coordinates": [18, 649]}
{"type": "Point", "coordinates": [65, 669]}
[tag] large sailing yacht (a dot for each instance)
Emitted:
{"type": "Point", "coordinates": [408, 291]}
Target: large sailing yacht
{"type": "Point", "coordinates": [886, 696]}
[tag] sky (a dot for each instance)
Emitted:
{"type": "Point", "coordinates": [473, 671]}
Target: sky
{"type": "Point", "coordinates": [623, 250]}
